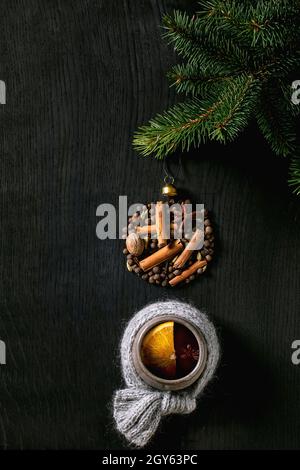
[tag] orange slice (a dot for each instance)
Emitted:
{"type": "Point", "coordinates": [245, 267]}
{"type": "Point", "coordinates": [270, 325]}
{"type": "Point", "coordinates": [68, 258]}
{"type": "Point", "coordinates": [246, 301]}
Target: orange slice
{"type": "Point", "coordinates": [158, 352]}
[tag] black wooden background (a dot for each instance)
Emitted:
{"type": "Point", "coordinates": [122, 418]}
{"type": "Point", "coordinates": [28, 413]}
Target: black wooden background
{"type": "Point", "coordinates": [81, 75]}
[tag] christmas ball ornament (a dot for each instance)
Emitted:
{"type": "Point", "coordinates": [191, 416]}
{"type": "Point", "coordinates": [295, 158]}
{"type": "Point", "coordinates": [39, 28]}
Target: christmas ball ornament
{"type": "Point", "coordinates": [169, 242]}
{"type": "Point", "coordinates": [169, 353]}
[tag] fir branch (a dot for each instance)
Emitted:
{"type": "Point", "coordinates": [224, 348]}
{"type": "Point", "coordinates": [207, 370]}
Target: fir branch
{"type": "Point", "coordinates": [239, 55]}
{"type": "Point", "coordinates": [259, 23]}
{"type": "Point", "coordinates": [193, 44]}
{"type": "Point", "coordinates": [188, 78]}
{"type": "Point", "coordinates": [194, 122]}
{"type": "Point", "coordinates": [276, 122]}
{"type": "Point", "coordinates": [294, 179]}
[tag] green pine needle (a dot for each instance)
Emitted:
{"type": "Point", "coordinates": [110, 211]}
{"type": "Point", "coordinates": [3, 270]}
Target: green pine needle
{"type": "Point", "coordinates": [294, 180]}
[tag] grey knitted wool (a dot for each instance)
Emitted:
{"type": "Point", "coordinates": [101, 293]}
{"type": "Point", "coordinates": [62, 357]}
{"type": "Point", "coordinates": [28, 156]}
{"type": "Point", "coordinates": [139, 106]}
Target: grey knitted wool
{"type": "Point", "coordinates": [139, 407]}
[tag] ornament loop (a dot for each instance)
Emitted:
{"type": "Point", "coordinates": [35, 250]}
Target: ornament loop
{"type": "Point", "coordinates": [168, 179]}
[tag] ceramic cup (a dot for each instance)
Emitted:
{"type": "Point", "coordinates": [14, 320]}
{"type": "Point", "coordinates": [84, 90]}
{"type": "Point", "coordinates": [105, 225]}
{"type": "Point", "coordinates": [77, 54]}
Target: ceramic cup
{"type": "Point", "coordinates": [159, 382]}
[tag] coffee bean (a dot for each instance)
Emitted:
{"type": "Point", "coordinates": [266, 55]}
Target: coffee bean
{"type": "Point", "coordinates": [156, 277]}
{"type": "Point", "coordinates": [137, 270]}
{"type": "Point", "coordinates": [164, 283]}
{"type": "Point", "coordinates": [192, 277]}
{"type": "Point", "coordinates": [207, 222]}
{"type": "Point", "coordinates": [170, 276]}
{"type": "Point", "coordinates": [157, 282]}
{"type": "Point", "coordinates": [151, 280]}
{"type": "Point", "coordinates": [187, 281]}
{"type": "Point", "coordinates": [205, 212]}
{"type": "Point", "coordinates": [206, 243]}
{"type": "Point", "coordinates": [125, 251]}
{"type": "Point", "coordinates": [156, 269]}
{"type": "Point", "coordinates": [129, 256]}
{"type": "Point", "coordinates": [130, 262]}
{"type": "Point", "coordinates": [145, 277]}
{"type": "Point", "coordinates": [211, 251]}
{"type": "Point", "coordinates": [170, 269]}
{"type": "Point", "coordinates": [177, 272]}
{"type": "Point", "coordinates": [163, 275]}
{"type": "Point", "coordinates": [150, 273]}
{"type": "Point", "coordinates": [208, 258]}
{"type": "Point", "coordinates": [153, 246]}
{"type": "Point", "coordinates": [199, 271]}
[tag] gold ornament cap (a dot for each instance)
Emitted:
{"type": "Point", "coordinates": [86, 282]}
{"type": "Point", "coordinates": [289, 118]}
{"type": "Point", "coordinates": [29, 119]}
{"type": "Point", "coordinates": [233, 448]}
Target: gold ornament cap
{"type": "Point", "coordinates": [169, 188]}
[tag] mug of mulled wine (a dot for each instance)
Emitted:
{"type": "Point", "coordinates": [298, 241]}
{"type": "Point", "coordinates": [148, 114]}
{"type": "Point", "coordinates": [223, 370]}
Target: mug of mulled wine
{"type": "Point", "coordinates": [169, 353]}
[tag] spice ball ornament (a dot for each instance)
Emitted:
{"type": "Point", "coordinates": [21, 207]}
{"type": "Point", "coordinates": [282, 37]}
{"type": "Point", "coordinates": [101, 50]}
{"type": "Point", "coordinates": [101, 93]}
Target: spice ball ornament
{"type": "Point", "coordinates": [163, 241]}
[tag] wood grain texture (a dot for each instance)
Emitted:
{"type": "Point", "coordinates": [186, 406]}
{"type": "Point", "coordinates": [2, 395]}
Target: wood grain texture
{"type": "Point", "coordinates": [81, 75]}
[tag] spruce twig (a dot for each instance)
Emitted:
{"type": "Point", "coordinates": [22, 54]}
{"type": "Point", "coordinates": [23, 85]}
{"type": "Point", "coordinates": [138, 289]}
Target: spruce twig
{"type": "Point", "coordinates": [239, 55]}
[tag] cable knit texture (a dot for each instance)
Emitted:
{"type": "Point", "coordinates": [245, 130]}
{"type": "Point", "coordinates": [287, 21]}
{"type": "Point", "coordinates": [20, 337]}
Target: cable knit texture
{"type": "Point", "coordinates": [138, 408]}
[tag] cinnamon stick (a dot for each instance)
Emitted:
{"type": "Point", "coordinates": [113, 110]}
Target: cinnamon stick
{"type": "Point", "coordinates": [146, 229]}
{"type": "Point", "coordinates": [149, 229]}
{"type": "Point", "coordinates": [188, 272]}
{"type": "Point", "coordinates": [161, 255]}
{"type": "Point", "coordinates": [161, 224]}
{"type": "Point", "coordinates": [188, 251]}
